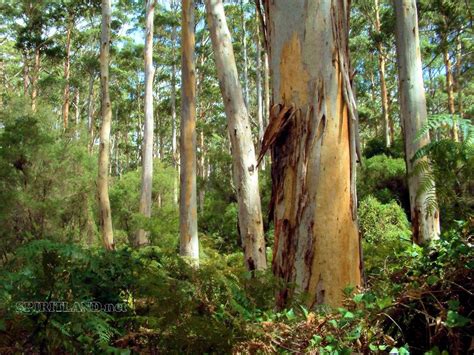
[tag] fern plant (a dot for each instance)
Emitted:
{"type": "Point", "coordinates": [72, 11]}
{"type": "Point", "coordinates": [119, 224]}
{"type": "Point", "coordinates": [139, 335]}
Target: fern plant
{"type": "Point", "coordinates": [446, 174]}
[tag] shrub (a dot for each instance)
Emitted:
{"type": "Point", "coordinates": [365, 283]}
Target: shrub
{"type": "Point", "coordinates": [385, 232]}
{"type": "Point", "coordinates": [384, 178]}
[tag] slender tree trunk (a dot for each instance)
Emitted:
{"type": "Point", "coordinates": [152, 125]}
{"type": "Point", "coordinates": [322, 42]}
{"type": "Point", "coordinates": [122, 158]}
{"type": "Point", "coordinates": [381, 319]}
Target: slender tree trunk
{"type": "Point", "coordinates": [458, 80]}
{"type": "Point", "coordinates": [174, 146]}
{"type": "Point", "coordinates": [202, 171]}
{"type": "Point", "coordinates": [450, 90]}
{"type": "Point", "coordinates": [243, 153]}
{"type": "Point", "coordinates": [258, 84]}
{"type": "Point", "coordinates": [312, 133]}
{"type": "Point", "coordinates": [244, 45]}
{"type": "Point", "coordinates": [189, 244]}
{"type": "Point", "coordinates": [266, 81]}
{"type": "Point", "coordinates": [90, 112]}
{"type": "Point", "coordinates": [266, 92]}
{"type": "Point", "coordinates": [413, 115]}
{"type": "Point", "coordinates": [147, 153]}
{"type": "Point", "coordinates": [35, 78]}
{"type": "Point", "coordinates": [67, 73]}
{"type": "Point", "coordinates": [77, 110]}
{"type": "Point", "coordinates": [26, 74]}
{"type": "Point", "coordinates": [383, 85]}
{"type": "Point", "coordinates": [104, 149]}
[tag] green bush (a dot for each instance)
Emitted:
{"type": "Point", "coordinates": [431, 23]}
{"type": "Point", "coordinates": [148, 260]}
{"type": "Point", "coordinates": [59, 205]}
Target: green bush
{"type": "Point", "coordinates": [46, 181]}
{"type": "Point", "coordinates": [384, 178]}
{"type": "Point", "coordinates": [385, 232]}
{"type": "Point", "coordinates": [376, 146]}
{"type": "Point", "coordinates": [125, 198]}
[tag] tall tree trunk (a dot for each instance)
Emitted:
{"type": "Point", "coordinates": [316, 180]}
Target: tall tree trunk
{"type": "Point", "coordinates": [458, 80]}
{"type": "Point", "coordinates": [35, 78]}
{"type": "Point", "coordinates": [202, 170]}
{"type": "Point", "coordinates": [244, 47]}
{"type": "Point", "coordinates": [450, 90]}
{"type": "Point", "coordinates": [189, 244]}
{"type": "Point", "coordinates": [147, 154]}
{"type": "Point", "coordinates": [174, 146]}
{"type": "Point", "coordinates": [104, 148]}
{"type": "Point", "coordinates": [266, 91]}
{"type": "Point", "coordinates": [77, 110]}
{"type": "Point", "coordinates": [258, 84]}
{"type": "Point", "coordinates": [413, 115]}
{"type": "Point", "coordinates": [243, 153]}
{"type": "Point", "coordinates": [312, 132]}
{"type": "Point", "coordinates": [90, 112]}
{"type": "Point", "coordinates": [26, 74]}
{"type": "Point", "coordinates": [383, 85]}
{"type": "Point", "coordinates": [67, 72]}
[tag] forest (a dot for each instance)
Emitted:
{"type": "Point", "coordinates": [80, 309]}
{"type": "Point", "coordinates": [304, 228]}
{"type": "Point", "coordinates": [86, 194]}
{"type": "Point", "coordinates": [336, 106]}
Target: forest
{"type": "Point", "coordinates": [236, 177]}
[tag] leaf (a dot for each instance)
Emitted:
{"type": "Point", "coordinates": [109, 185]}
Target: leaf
{"type": "Point", "coordinates": [290, 315]}
{"type": "Point", "coordinates": [349, 315]}
{"type": "Point", "coordinates": [431, 280]}
{"type": "Point", "coordinates": [454, 319]}
{"type": "Point", "coordinates": [453, 305]}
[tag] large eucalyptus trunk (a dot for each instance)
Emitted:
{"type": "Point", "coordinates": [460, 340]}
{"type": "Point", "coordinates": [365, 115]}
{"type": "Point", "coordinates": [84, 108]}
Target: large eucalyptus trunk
{"type": "Point", "coordinates": [104, 148]}
{"type": "Point", "coordinates": [189, 243]}
{"type": "Point", "coordinates": [243, 153]}
{"type": "Point", "coordinates": [312, 133]}
{"type": "Point", "coordinates": [383, 85]}
{"type": "Point", "coordinates": [67, 74]}
{"type": "Point", "coordinates": [413, 115]}
{"type": "Point", "coordinates": [147, 153]}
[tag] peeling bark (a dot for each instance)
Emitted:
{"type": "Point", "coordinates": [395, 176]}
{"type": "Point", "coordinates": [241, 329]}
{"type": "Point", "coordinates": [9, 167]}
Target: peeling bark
{"type": "Point", "coordinates": [243, 154]}
{"type": "Point", "coordinates": [311, 134]}
{"type": "Point", "coordinates": [413, 115]}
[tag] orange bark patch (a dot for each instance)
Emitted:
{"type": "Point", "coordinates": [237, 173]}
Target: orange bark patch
{"type": "Point", "coordinates": [294, 77]}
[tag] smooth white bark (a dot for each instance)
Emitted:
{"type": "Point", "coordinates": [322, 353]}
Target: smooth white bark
{"type": "Point", "coordinates": [243, 152]}
{"type": "Point", "coordinates": [413, 114]}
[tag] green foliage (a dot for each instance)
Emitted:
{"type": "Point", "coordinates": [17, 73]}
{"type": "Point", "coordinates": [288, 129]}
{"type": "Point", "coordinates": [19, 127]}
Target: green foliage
{"type": "Point", "coordinates": [384, 178]}
{"type": "Point", "coordinates": [125, 197]}
{"type": "Point", "coordinates": [447, 179]}
{"type": "Point", "coordinates": [168, 304]}
{"type": "Point", "coordinates": [376, 146]}
{"type": "Point", "coordinates": [385, 231]}
{"type": "Point", "coordinates": [46, 181]}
